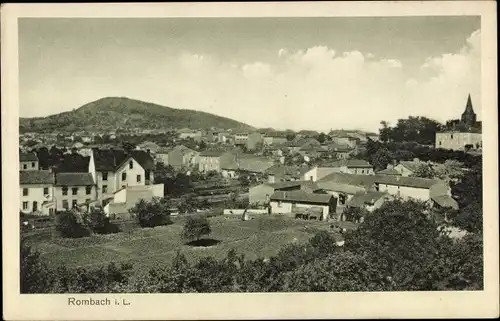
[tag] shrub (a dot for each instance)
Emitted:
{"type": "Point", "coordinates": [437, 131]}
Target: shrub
{"type": "Point", "coordinates": [67, 225]}
{"type": "Point", "coordinates": [151, 213]}
{"type": "Point", "coordinates": [195, 227]}
{"type": "Point", "coordinates": [34, 275]}
{"type": "Point", "coordinates": [97, 221]}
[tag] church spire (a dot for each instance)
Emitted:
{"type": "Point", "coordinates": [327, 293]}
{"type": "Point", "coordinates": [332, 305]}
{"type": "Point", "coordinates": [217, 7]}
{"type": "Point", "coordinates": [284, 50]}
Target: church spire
{"type": "Point", "coordinates": [468, 107]}
{"type": "Point", "coordinates": [469, 116]}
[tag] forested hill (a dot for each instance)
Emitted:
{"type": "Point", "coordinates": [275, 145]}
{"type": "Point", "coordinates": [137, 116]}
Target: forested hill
{"type": "Point", "coordinates": [120, 112]}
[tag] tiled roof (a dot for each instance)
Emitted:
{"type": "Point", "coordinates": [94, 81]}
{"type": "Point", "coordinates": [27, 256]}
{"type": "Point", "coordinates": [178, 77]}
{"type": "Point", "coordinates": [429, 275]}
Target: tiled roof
{"type": "Point", "coordinates": [74, 179]}
{"type": "Point", "coordinates": [28, 157]}
{"type": "Point", "coordinates": [340, 148]}
{"type": "Point", "coordinates": [301, 197]}
{"type": "Point", "coordinates": [416, 182]}
{"type": "Point", "coordinates": [369, 198]}
{"type": "Point", "coordinates": [289, 184]}
{"type": "Point", "coordinates": [411, 165]}
{"type": "Point", "coordinates": [342, 188]}
{"type": "Point", "coordinates": [445, 201]}
{"type": "Point", "coordinates": [183, 149]}
{"type": "Point", "coordinates": [389, 171]}
{"type": "Point", "coordinates": [36, 177]}
{"type": "Point", "coordinates": [282, 170]}
{"type": "Point", "coordinates": [112, 159]}
{"type": "Point", "coordinates": [349, 179]}
{"type": "Point", "coordinates": [164, 150]}
{"type": "Point", "coordinates": [350, 163]}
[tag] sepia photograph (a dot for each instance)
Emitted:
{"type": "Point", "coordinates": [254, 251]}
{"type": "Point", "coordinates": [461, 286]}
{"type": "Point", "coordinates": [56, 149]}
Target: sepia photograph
{"type": "Point", "coordinates": [239, 154]}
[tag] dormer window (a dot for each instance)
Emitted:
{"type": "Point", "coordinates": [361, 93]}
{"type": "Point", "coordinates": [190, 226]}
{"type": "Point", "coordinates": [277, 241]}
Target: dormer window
{"type": "Point", "coordinates": [130, 164]}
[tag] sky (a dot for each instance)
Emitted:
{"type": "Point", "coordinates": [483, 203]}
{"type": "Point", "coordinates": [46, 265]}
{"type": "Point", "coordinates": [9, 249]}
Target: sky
{"type": "Point", "coordinates": [287, 73]}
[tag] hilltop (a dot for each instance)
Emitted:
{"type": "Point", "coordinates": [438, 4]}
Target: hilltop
{"type": "Point", "coordinates": [111, 113]}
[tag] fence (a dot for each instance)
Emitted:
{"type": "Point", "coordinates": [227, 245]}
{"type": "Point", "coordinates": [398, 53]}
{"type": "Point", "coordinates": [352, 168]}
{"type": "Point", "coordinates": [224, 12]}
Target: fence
{"type": "Point", "coordinates": [241, 211]}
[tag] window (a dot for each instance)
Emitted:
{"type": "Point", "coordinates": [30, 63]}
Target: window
{"type": "Point", "coordinates": [362, 171]}
{"type": "Point", "coordinates": [65, 204]}
{"type": "Point", "coordinates": [65, 190]}
{"type": "Point", "coordinates": [25, 166]}
{"type": "Point", "coordinates": [131, 164]}
{"type": "Point", "coordinates": [45, 191]}
{"type": "Point", "coordinates": [74, 191]}
{"type": "Point", "coordinates": [25, 192]}
{"type": "Point", "coordinates": [104, 188]}
{"type": "Point", "coordinates": [451, 136]}
{"type": "Point", "coordinates": [73, 203]}
{"type": "Point", "coordinates": [138, 178]}
{"type": "Point", "coordinates": [88, 189]}
{"type": "Point", "coordinates": [33, 164]}
{"type": "Point", "coordinates": [25, 205]}
{"type": "Point", "coordinates": [124, 176]}
{"type": "Point", "coordinates": [104, 176]}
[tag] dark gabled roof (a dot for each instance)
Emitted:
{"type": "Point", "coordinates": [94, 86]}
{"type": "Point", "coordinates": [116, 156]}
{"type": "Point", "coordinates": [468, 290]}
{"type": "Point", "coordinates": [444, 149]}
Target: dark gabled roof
{"type": "Point", "coordinates": [281, 185]}
{"type": "Point", "coordinates": [112, 159]}
{"type": "Point", "coordinates": [74, 179]}
{"type": "Point", "coordinates": [36, 177]}
{"type": "Point", "coordinates": [28, 157]}
{"type": "Point", "coordinates": [301, 197]}
{"type": "Point", "coordinates": [369, 198]}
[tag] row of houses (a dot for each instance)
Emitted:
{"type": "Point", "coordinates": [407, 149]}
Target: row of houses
{"type": "Point", "coordinates": [113, 177]}
{"type": "Point", "coordinates": [345, 186]}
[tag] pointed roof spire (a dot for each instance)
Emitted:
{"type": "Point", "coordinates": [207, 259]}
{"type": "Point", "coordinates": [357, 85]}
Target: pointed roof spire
{"type": "Point", "coordinates": [468, 107]}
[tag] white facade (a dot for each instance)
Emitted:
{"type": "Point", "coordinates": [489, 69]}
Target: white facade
{"type": "Point", "coordinates": [406, 192]}
{"type": "Point", "coordinates": [130, 173]}
{"type": "Point", "coordinates": [68, 197]}
{"type": "Point", "coordinates": [283, 207]}
{"type": "Point", "coordinates": [34, 196]}
{"type": "Point", "coordinates": [29, 166]}
{"type": "Point", "coordinates": [404, 171]}
{"type": "Point", "coordinates": [458, 140]}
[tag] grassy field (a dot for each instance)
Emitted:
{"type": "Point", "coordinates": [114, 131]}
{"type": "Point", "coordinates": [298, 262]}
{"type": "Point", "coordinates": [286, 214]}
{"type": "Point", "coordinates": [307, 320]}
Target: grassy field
{"type": "Point", "coordinates": [260, 237]}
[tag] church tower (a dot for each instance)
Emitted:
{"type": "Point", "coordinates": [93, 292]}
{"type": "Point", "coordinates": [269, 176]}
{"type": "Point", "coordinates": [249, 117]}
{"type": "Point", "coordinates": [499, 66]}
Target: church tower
{"type": "Point", "coordinates": [469, 116]}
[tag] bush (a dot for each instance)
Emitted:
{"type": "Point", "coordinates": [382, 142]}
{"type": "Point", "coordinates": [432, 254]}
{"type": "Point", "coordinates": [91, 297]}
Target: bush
{"type": "Point", "coordinates": [34, 275]}
{"type": "Point", "coordinates": [97, 221]}
{"type": "Point", "coordinates": [195, 227]}
{"type": "Point", "coordinates": [67, 225]}
{"type": "Point", "coordinates": [152, 213]}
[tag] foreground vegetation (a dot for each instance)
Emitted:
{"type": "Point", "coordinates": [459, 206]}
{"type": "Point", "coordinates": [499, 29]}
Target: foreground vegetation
{"type": "Point", "coordinates": [397, 247]}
